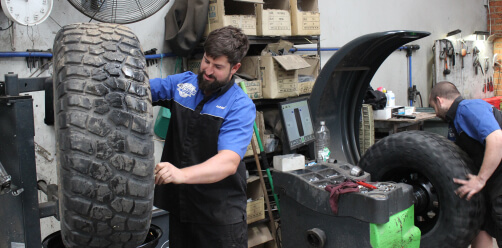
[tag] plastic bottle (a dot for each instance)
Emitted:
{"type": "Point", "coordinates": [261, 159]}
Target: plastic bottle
{"type": "Point", "coordinates": [322, 143]}
{"type": "Point", "coordinates": [387, 97]}
{"type": "Point", "coordinates": [391, 99]}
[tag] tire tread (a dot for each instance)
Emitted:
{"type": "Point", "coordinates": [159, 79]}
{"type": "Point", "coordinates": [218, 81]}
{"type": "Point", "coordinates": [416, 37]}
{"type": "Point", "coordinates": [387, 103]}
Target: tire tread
{"type": "Point", "coordinates": [104, 131]}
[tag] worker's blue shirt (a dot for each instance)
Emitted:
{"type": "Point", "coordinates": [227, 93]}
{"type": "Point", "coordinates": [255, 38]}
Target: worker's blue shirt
{"type": "Point", "coordinates": [473, 121]}
{"type": "Point", "coordinates": [200, 127]}
{"type": "Point", "coordinates": [234, 106]}
{"type": "Point", "coordinates": [475, 118]}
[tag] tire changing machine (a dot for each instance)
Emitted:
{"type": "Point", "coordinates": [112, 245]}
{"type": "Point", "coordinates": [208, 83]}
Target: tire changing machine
{"type": "Point", "coordinates": [378, 218]}
{"type": "Point", "coordinates": [19, 207]}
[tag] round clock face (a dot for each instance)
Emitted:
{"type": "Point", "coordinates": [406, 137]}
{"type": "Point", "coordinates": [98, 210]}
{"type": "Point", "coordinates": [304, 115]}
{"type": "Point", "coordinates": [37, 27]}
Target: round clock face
{"type": "Point", "coordinates": [27, 12]}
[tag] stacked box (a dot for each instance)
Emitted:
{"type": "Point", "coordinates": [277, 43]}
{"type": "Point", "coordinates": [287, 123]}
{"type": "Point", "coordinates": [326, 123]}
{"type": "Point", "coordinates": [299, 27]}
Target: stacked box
{"type": "Point", "coordinates": [273, 18]}
{"type": "Point", "coordinates": [305, 17]}
{"type": "Point", "coordinates": [255, 207]}
{"type": "Point", "coordinates": [260, 123]}
{"type": "Point", "coordinates": [253, 87]}
{"type": "Point", "coordinates": [307, 76]}
{"type": "Point", "coordinates": [241, 14]}
{"type": "Point", "coordinates": [278, 73]}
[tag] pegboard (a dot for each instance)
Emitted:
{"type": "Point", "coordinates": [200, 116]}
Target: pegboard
{"type": "Point", "coordinates": [470, 84]}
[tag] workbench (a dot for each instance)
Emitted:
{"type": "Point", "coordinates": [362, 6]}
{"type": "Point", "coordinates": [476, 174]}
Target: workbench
{"type": "Point", "coordinates": [393, 124]}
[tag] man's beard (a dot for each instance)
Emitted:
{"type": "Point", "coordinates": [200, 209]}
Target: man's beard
{"type": "Point", "coordinates": [207, 86]}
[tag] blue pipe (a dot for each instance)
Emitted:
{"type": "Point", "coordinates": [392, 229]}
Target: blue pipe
{"type": "Point", "coordinates": [153, 56]}
{"type": "Point", "coordinates": [25, 54]}
{"type": "Point", "coordinates": [159, 56]}
{"type": "Point", "coordinates": [49, 55]}
{"type": "Point", "coordinates": [313, 49]}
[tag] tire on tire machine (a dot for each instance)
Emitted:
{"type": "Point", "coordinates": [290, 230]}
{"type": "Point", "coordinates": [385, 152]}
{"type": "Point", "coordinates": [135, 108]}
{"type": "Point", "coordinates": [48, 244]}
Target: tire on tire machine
{"type": "Point", "coordinates": [429, 162]}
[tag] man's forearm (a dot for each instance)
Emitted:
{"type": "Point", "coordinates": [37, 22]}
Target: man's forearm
{"type": "Point", "coordinates": [215, 169]}
{"type": "Point", "coordinates": [492, 156]}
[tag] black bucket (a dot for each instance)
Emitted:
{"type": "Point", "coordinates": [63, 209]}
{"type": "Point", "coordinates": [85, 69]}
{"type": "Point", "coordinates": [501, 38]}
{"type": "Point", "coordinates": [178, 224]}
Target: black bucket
{"type": "Point", "coordinates": [152, 239]}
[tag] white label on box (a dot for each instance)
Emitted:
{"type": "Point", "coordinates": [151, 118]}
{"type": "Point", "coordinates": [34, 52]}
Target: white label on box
{"type": "Point", "coordinates": [310, 20]}
{"type": "Point", "coordinates": [278, 20]}
{"type": "Point", "coordinates": [243, 22]}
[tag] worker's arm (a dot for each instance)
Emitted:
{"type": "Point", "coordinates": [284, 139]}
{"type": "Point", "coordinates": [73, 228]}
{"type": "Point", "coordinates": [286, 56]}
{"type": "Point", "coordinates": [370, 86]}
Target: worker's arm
{"type": "Point", "coordinates": [215, 169]}
{"type": "Point", "coordinates": [491, 161]}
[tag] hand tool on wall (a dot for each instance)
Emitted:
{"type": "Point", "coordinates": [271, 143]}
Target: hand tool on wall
{"type": "Point", "coordinates": [463, 52]}
{"type": "Point", "coordinates": [36, 61]}
{"type": "Point", "coordinates": [475, 61]}
{"type": "Point", "coordinates": [446, 71]}
{"type": "Point", "coordinates": [486, 65]}
{"type": "Point", "coordinates": [484, 85]}
{"type": "Point", "coordinates": [450, 52]}
{"type": "Point", "coordinates": [150, 62]}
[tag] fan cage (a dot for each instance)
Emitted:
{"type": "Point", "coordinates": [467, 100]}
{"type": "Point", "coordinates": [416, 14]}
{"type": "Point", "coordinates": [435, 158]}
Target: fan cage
{"type": "Point", "coordinates": [118, 11]}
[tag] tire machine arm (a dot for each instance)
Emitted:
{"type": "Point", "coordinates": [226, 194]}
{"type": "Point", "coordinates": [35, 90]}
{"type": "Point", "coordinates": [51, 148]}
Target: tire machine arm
{"type": "Point", "coordinates": [20, 210]}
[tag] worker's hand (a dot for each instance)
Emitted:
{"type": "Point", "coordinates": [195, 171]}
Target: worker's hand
{"type": "Point", "coordinates": [469, 187]}
{"type": "Point", "coordinates": [167, 173]}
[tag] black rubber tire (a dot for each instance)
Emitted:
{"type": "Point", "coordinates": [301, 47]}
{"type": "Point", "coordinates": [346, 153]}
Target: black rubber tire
{"type": "Point", "coordinates": [433, 158]}
{"type": "Point", "coordinates": [104, 135]}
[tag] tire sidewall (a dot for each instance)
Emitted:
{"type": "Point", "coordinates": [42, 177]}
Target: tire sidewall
{"type": "Point", "coordinates": [438, 160]}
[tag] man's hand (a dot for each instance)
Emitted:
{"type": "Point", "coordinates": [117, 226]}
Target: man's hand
{"type": "Point", "coordinates": [167, 173]}
{"type": "Point", "coordinates": [469, 187]}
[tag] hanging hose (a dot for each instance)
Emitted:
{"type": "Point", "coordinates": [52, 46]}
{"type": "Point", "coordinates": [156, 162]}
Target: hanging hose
{"type": "Point", "coordinates": [264, 157]}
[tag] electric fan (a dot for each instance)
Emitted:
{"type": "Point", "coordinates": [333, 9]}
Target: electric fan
{"type": "Point", "coordinates": [118, 11]}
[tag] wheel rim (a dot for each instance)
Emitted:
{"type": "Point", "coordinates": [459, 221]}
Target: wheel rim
{"type": "Point", "coordinates": [426, 198]}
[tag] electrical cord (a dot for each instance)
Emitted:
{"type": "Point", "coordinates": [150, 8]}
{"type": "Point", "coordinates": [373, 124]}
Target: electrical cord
{"type": "Point", "coordinates": [3, 29]}
{"type": "Point", "coordinates": [421, 102]}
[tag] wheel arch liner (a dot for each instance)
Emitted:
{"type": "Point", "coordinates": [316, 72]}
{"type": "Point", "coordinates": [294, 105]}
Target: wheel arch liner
{"type": "Point", "coordinates": [339, 90]}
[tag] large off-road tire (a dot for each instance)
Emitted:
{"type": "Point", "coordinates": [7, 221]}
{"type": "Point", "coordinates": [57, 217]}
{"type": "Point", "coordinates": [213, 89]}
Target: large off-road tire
{"type": "Point", "coordinates": [429, 162]}
{"type": "Point", "coordinates": [104, 134]}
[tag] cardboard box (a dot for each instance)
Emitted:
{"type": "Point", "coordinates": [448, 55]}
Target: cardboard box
{"type": "Point", "coordinates": [307, 76]}
{"type": "Point", "coordinates": [261, 128]}
{"type": "Point", "coordinates": [305, 17]}
{"type": "Point", "coordinates": [258, 235]}
{"type": "Point", "coordinates": [253, 87]}
{"type": "Point", "coordinates": [273, 18]}
{"type": "Point", "coordinates": [256, 207]}
{"type": "Point", "coordinates": [278, 74]}
{"type": "Point", "coordinates": [241, 14]}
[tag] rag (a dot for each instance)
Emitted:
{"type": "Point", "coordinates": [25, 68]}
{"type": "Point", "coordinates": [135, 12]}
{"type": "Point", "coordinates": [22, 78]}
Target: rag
{"type": "Point", "coordinates": [337, 190]}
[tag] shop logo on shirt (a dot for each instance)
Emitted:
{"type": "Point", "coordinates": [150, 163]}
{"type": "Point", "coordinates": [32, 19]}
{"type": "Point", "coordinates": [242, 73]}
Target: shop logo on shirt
{"type": "Point", "coordinates": [220, 107]}
{"type": "Point", "coordinates": [186, 90]}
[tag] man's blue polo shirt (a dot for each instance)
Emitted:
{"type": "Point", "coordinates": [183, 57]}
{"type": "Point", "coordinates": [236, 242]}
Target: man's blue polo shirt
{"type": "Point", "coordinates": [475, 118]}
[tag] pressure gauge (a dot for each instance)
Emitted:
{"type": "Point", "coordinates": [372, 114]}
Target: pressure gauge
{"type": "Point", "coordinates": [27, 12]}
